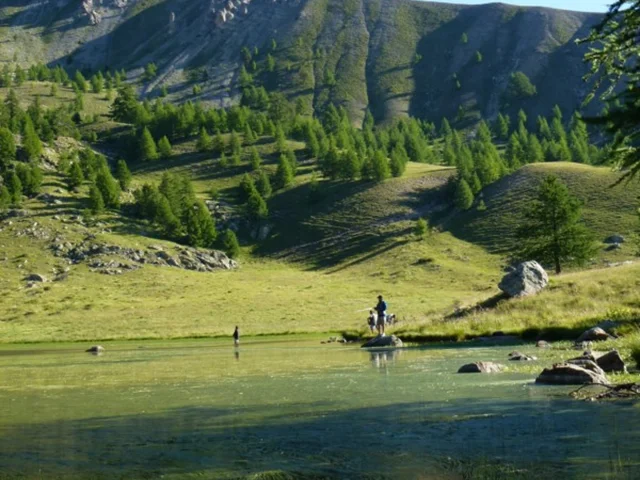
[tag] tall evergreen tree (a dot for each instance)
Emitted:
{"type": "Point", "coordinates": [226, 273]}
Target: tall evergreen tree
{"type": "Point", "coordinates": [7, 149]}
{"type": "Point", "coordinates": [380, 166]}
{"type": "Point", "coordinates": [108, 187]}
{"type": "Point", "coordinates": [199, 225]}
{"type": "Point", "coordinates": [76, 176]}
{"type": "Point", "coordinates": [147, 146]}
{"type": "Point", "coordinates": [31, 142]}
{"type": "Point", "coordinates": [96, 202]}
{"type": "Point", "coordinates": [284, 173]}
{"type": "Point", "coordinates": [230, 243]}
{"type": "Point", "coordinates": [553, 231]}
{"type": "Point", "coordinates": [123, 175]}
{"type": "Point", "coordinates": [463, 195]}
{"type": "Point", "coordinates": [263, 185]}
{"type": "Point", "coordinates": [5, 197]}
{"type": "Point", "coordinates": [204, 141]}
{"type": "Point", "coordinates": [164, 147]}
{"type": "Point", "coordinates": [14, 185]}
{"type": "Point", "coordinates": [256, 207]}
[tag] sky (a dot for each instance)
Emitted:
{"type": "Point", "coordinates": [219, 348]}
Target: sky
{"type": "Point", "coordinates": [577, 5]}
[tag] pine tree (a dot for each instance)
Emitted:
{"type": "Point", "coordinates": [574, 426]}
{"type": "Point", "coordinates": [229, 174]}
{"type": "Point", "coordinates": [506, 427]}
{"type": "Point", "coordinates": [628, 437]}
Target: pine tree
{"type": "Point", "coordinates": [254, 159]}
{"type": "Point", "coordinates": [97, 83]}
{"type": "Point", "coordinates": [204, 141]}
{"type": "Point", "coordinates": [164, 147]}
{"type": "Point", "coordinates": [76, 176]}
{"type": "Point", "coordinates": [5, 197]}
{"type": "Point", "coordinates": [96, 202]}
{"type": "Point", "coordinates": [147, 146]}
{"type": "Point", "coordinates": [380, 166]}
{"type": "Point", "coordinates": [249, 136]}
{"type": "Point", "coordinates": [256, 207]}
{"type": "Point", "coordinates": [108, 187]}
{"type": "Point", "coordinates": [7, 149]}
{"type": "Point", "coordinates": [234, 143]}
{"type": "Point", "coordinates": [123, 175]}
{"type": "Point", "coordinates": [463, 196]}
{"type": "Point", "coordinates": [230, 243]}
{"type": "Point", "coordinates": [218, 143]}
{"type": "Point", "coordinates": [80, 82]}
{"type": "Point", "coordinates": [263, 185]}
{"type": "Point", "coordinates": [31, 142]}
{"type": "Point", "coordinates": [14, 185]}
{"type": "Point", "coordinates": [399, 160]}
{"type": "Point", "coordinates": [421, 228]}
{"type": "Point", "coordinates": [247, 187]}
{"type": "Point", "coordinates": [534, 152]}
{"type": "Point", "coordinates": [553, 232]}
{"type": "Point", "coordinates": [284, 173]}
{"type": "Point", "coordinates": [30, 178]}
{"type": "Point", "coordinates": [199, 225]}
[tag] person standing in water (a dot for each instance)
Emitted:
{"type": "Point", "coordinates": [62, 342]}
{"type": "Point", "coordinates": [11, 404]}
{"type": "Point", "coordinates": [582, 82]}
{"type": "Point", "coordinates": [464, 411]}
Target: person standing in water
{"type": "Point", "coordinates": [236, 337]}
{"type": "Point", "coordinates": [381, 309]}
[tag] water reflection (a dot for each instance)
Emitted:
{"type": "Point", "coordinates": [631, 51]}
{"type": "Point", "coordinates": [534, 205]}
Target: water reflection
{"type": "Point", "coordinates": [237, 354]}
{"type": "Point", "coordinates": [381, 360]}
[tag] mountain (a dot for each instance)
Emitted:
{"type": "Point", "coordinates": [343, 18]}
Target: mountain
{"type": "Point", "coordinates": [394, 57]}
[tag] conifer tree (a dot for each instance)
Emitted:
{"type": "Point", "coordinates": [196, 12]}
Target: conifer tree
{"type": "Point", "coordinates": [230, 243]}
{"type": "Point", "coordinates": [31, 142]}
{"type": "Point", "coordinates": [218, 143]}
{"type": "Point", "coordinates": [108, 187]}
{"type": "Point", "coordinates": [147, 146]}
{"type": "Point", "coordinates": [81, 82]}
{"type": "Point", "coordinates": [234, 143]}
{"type": "Point", "coordinates": [380, 166]}
{"type": "Point", "coordinates": [14, 185]}
{"type": "Point", "coordinates": [421, 228]}
{"type": "Point", "coordinates": [399, 160]}
{"type": "Point", "coordinates": [463, 195]}
{"type": "Point", "coordinates": [254, 159]}
{"type": "Point", "coordinates": [96, 202]}
{"type": "Point", "coordinates": [5, 197]}
{"type": "Point", "coordinates": [164, 147]}
{"type": "Point", "coordinates": [199, 225]}
{"type": "Point", "coordinates": [263, 185]}
{"type": "Point", "coordinates": [123, 175]}
{"type": "Point", "coordinates": [76, 176]}
{"type": "Point", "coordinates": [7, 149]}
{"type": "Point", "coordinates": [553, 232]}
{"type": "Point", "coordinates": [256, 207]}
{"type": "Point", "coordinates": [284, 173]}
{"type": "Point", "coordinates": [204, 141]}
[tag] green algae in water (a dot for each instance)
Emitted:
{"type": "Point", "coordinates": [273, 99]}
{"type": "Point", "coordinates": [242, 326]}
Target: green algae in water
{"type": "Point", "coordinates": [281, 410]}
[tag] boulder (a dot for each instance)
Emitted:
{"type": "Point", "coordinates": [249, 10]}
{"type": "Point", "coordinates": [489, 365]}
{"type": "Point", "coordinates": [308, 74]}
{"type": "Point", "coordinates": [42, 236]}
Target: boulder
{"type": "Point", "coordinates": [614, 239]}
{"type": "Point", "coordinates": [528, 278]}
{"type": "Point", "coordinates": [35, 277]}
{"type": "Point", "coordinates": [595, 334]}
{"type": "Point", "coordinates": [97, 349]}
{"type": "Point", "coordinates": [612, 362]}
{"type": "Point", "coordinates": [568, 374]}
{"type": "Point", "coordinates": [520, 357]}
{"type": "Point", "coordinates": [383, 341]}
{"type": "Point", "coordinates": [543, 344]}
{"type": "Point", "coordinates": [481, 367]}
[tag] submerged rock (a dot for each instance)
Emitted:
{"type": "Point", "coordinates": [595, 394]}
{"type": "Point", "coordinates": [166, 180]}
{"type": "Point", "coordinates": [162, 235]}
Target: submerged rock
{"type": "Point", "coordinates": [569, 374]}
{"type": "Point", "coordinates": [520, 357]}
{"type": "Point", "coordinates": [481, 367]}
{"type": "Point", "coordinates": [528, 278]}
{"type": "Point", "coordinates": [383, 341]}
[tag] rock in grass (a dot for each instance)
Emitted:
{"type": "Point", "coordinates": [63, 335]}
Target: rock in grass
{"type": "Point", "coordinates": [595, 334]}
{"type": "Point", "coordinates": [614, 240]}
{"type": "Point", "coordinates": [528, 278]}
{"type": "Point", "coordinates": [383, 341]}
{"type": "Point", "coordinates": [543, 344]}
{"type": "Point", "coordinates": [35, 277]}
{"type": "Point", "coordinates": [569, 374]}
{"type": "Point", "coordinates": [96, 349]}
{"type": "Point", "coordinates": [481, 367]}
{"type": "Point", "coordinates": [612, 362]}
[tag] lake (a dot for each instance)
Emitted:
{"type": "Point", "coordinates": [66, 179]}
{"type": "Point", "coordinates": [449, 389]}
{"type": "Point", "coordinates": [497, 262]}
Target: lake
{"type": "Point", "coordinates": [203, 409]}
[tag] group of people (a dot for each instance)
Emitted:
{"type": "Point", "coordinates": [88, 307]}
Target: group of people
{"type": "Point", "coordinates": [378, 317]}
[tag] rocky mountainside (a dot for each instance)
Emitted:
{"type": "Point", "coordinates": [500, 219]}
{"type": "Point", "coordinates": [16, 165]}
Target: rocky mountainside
{"type": "Point", "coordinates": [395, 57]}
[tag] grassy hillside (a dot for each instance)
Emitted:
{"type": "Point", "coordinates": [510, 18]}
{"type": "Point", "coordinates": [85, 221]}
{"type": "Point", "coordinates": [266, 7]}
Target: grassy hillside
{"type": "Point", "coordinates": [607, 209]}
{"type": "Point", "coordinates": [395, 57]}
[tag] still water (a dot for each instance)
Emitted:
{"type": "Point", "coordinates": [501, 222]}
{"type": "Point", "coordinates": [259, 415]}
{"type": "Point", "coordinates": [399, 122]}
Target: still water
{"type": "Point", "coordinates": [207, 410]}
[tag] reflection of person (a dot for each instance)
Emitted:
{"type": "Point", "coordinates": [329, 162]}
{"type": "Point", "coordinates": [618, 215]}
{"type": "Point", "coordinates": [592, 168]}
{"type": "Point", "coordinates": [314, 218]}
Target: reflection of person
{"type": "Point", "coordinates": [236, 337]}
{"type": "Point", "coordinates": [371, 320]}
{"type": "Point", "coordinates": [381, 308]}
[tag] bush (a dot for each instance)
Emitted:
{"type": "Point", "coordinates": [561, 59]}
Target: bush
{"type": "Point", "coordinates": [635, 354]}
{"type": "Point", "coordinates": [520, 86]}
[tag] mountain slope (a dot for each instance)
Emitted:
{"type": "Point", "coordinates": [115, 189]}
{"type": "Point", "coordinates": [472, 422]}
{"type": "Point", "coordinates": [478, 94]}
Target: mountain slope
{"type": "Point", "coordinates": [395, 57]}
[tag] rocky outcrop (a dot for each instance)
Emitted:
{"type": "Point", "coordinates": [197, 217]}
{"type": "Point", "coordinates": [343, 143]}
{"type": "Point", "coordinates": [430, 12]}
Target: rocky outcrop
{"type": "Point", "coordinates": [98, 254]}
{"type": "Point", "coordinates": [481, 367]}
{"type": "Point", "coordinates": [570, 374]}
{"type": "Point", "coordinates": [528, 278]}
{"type": "Point", "coordinates": [383, 341]}
{"type": "Point", "coordinates": [595, 334]}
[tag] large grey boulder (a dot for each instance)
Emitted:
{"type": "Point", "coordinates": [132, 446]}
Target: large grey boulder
{"type": "Point", "coordinates": [614, 239]}
{"type": "Point", "coordinates": [528, 278]}
{"type": "Point", "coordinates": [595, 334]}
{"type": "Point", "coordinates": [383, 341]}
{"type": "Point", "coordinates": [481, 367]}
{"type": "Point", "coordinates": [612, 362]}
{"type": "Point", "coordinates": [569, 374]}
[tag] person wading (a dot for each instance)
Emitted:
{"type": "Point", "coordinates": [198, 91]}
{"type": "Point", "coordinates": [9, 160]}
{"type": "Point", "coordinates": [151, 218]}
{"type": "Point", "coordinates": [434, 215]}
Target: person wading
{"type": "Point", "coordinates": [236, 337]}
{"type": "Point", "coordinates": [381, 309]}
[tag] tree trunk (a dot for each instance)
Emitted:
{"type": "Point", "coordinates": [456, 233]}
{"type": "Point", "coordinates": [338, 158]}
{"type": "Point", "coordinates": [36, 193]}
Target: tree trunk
{"type": "Point", "coordinates": [558, 267]}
